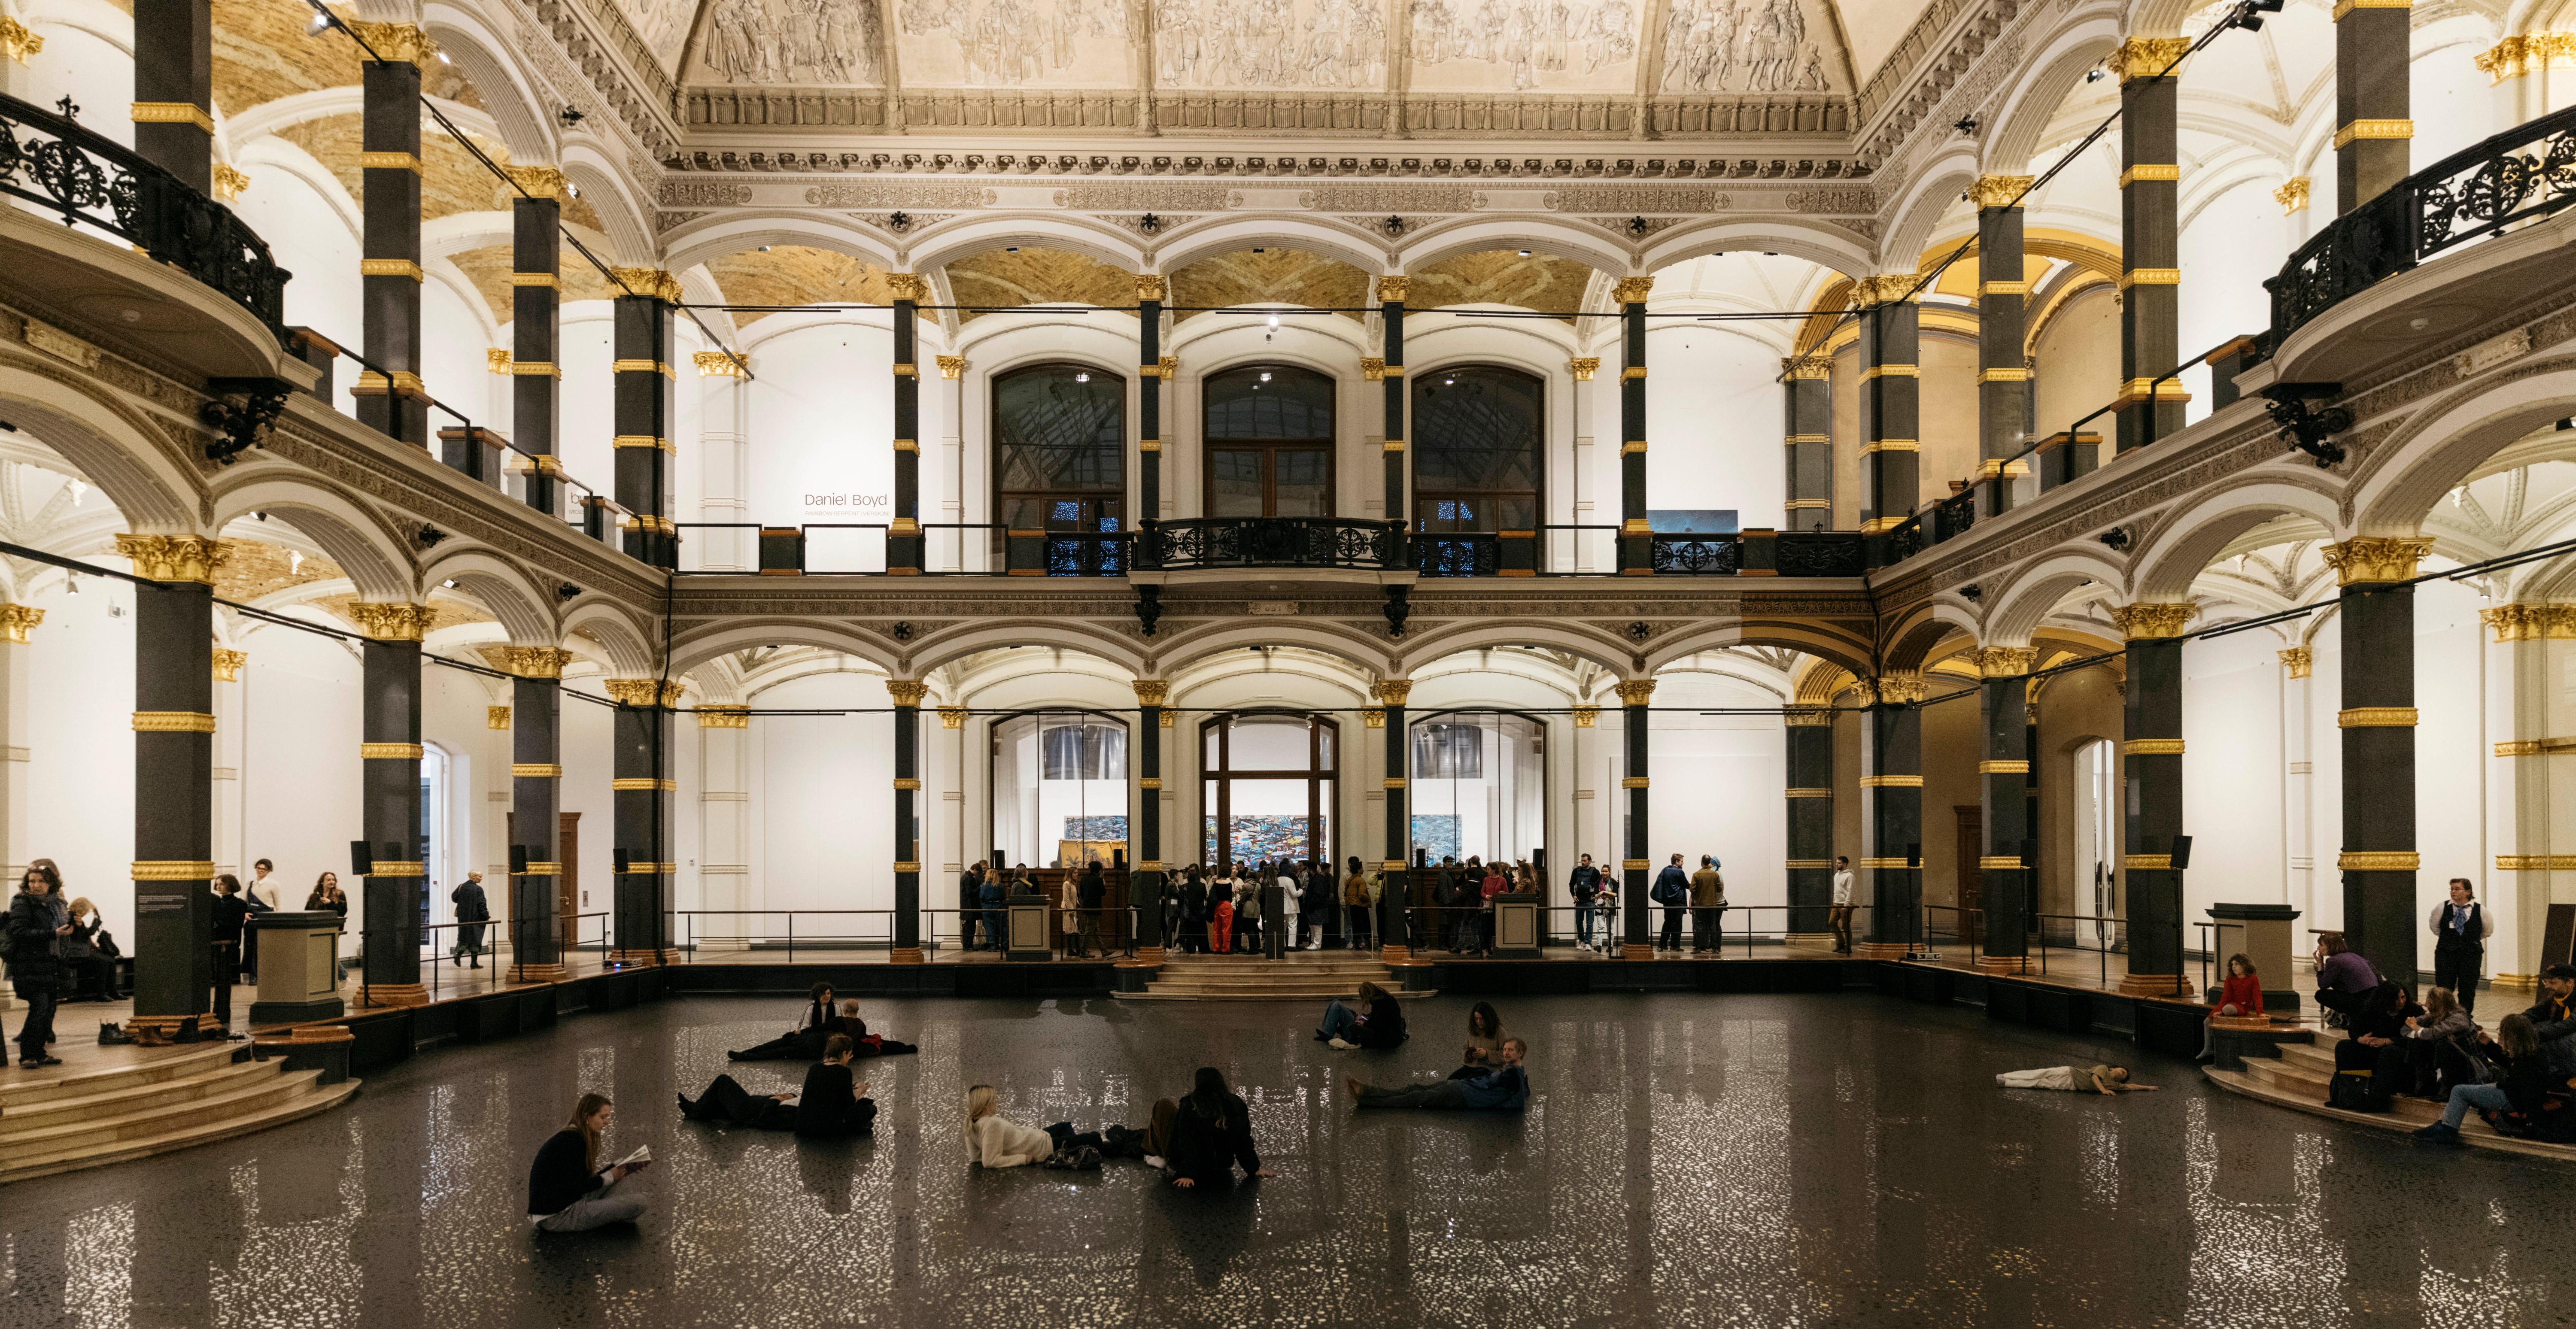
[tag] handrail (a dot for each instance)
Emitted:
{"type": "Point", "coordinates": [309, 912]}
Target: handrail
{"type": "Point", "coordinates": [88, 177]}
{"type": "Point", "coordinates": [2470, 195]}
{"type": "Point", "coordinates": [1270, 542]}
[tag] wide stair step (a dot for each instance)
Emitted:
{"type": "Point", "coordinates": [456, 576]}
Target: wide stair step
{"type": "Point", "coordinates": [2291, 1092]}
{"type": "Point", "coordinates": [1312, 978]}
{"type": "Point", "coordinates": [154, 1106]}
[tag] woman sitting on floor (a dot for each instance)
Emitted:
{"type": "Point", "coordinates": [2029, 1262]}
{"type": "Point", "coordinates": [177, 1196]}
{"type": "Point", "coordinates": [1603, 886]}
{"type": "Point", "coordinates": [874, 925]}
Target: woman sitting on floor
{"type": "Point", "coordinates": [1484, 1041]}
{"type": "Point", "coordinates": [867, 1044]}
{"type": "Point", "coordinates": [2522, 1090]}
{"type": "Point", "coordinates": [568, 1191]}
{"type": "Point", "coordinates": [1211, 1132]}
{"type": "Point", "coordinates": [805, 1041]}
{"type": "Point", "coordinates": [831, 1103]}
{"type": "Point", "coordinates": [1379, 1024]}
{"type": "Point", "coordinates": [2440, 1048]}
{"type": "Point", "coordinates": [2239, 997]}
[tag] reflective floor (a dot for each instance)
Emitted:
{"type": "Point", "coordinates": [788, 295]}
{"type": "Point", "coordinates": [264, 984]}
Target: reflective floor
{"type": "Point", "coordinates": [1686, 1161]}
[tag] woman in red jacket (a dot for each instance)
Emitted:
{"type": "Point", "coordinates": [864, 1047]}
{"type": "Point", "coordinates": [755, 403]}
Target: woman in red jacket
{"type": "Point", "coordinates": [2240, 995]}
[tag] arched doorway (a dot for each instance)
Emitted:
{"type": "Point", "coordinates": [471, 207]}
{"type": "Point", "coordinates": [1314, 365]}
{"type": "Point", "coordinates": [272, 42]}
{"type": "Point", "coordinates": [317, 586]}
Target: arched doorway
{"type": "Point", "coordinates": [1060, 449]}
{"type": "Point", "coordinates": [1478, 785]}
{"type": "Point", "coordinates": [1477, 465]}
{"type": "Point", "coordinates": [1268, 780]}
{"type": "Point", "coordinates": [1059, 782]}
{"type": "Point", "coordinates": [1269, 442]}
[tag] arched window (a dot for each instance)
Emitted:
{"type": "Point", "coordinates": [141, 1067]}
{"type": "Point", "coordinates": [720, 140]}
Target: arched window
{"type": "Point", "coordinates": [1060, 449]}
{"type": "Point", "coordinates": [1477, 450]}
{"type": "Point", "coordinates": [1269, 432]}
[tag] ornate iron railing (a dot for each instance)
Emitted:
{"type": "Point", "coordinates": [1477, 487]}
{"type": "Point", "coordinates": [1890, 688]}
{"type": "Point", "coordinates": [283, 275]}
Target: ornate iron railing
{"type": "Point", "coordinates": [1698, 555]}
{"type": "Point", "coordinates": [2524, 173]}
{"type": "Point", "coordinates": [51, 161]}
{"type": "Point", "coordinates": [1087, 554]}
{"type": "Point", "coordinates": [1458, 554]}
{"type": "Point", "coordinates": [1904, 540]}
{"type": "Point", "coordinates": [1821, 553]}
{"type": "Point", "coordinates": [1269, 542]}
{"type": "Point", "coordinates": [1952, 517]}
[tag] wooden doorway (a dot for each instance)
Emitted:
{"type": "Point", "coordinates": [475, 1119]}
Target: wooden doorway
{"type": "Point", "coordinates": [1972, 878]}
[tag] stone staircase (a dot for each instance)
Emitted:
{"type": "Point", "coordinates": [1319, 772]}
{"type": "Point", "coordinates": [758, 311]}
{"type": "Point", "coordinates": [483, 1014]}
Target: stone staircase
{"type": "Point", "coordinates": [2297, 1079]}
{"type": "Point", "coordinates": [1308, 976]}
{"type": "Point", "coordinates": [168, 1101]}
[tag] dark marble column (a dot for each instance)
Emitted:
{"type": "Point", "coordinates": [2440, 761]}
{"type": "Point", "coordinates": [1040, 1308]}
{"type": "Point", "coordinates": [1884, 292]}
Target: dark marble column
{"type": "Point", "coordinates": [1145, 869]}
{"type": "Point", "coordinates": [1149, 399]}
{"type": "Point", "coordinates": [174, 74]}
{"type": "Point", "coordinates": [1395, 894]}
{"type": "Point", "coordinates": [1636, 940]}
{"type": "Point", "coordinates": [391, 397]}
{"type": "Point", "coordinates": [174, 791]}
{"type": "Point", "coordinates": [646, 409]}
{"type": "Point", "coordinates": [2150, 218]}
{"type": "Point", "coordinates": [537, 931]}
{"type": "Point", "coordinates": [2003, 383]}
{"type": "Point", "coordinates": [903, 531]}
{"type": "Point", "coordinates": [389, 807]}
{"type": "Point", "coordinates": [1890, 401]}
{"type": "Point", "coordinates": [1636, 531]}
{"type": "Point", "coordinates": [640, 789]}
{"type": "Point", "coordinates": [2151, 776]}
{"type": "Point", "coordinates": [1807, 387]}
{"type": "Point", "coordinates": [2003, 776]}
{"type": "Point", "coordinates": [536, 297]}
{"type": "Point", "coordinates": [2377, 719]}
{"type": "Point", "coordinates": [1810, 733]}
{"type": "Point", "coordinates": [907, 697]}
{"type": "Point", "coordinates": [1894, 789]}
{"type": "Point", "coordinates": [2374, 44]}
{"type": "Point", "coordinates": [1390, 308]}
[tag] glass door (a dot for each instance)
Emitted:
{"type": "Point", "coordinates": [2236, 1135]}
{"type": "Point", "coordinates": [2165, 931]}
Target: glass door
{"type": "Point", "coordinates": [1269, 434]}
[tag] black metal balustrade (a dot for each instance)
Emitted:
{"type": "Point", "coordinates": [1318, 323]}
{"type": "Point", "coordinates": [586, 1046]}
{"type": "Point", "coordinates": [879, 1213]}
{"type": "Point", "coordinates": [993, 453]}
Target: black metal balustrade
{"type": "Point", "coordinates": [1685, 555]}
{"type": "Point", "coordinates": [1821, 553]}
{"type": "Point", "coordinates": [51, 161]}
{"type": "Point", "coordinates": [1459, 554]}
{"type": "Point", "coordinates": [2522, 174]}
{"type": "Point", "coordinates": [1269, 542]}
{"type": "Point", "coordinates": [1087, 553]}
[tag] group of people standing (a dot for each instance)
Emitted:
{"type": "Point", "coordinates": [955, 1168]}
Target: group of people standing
{"type": "Point", "coordinates": [1214, 911]}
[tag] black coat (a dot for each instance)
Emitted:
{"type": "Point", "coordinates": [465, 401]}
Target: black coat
{"type": "Point", "coordinates": [231, 912]}
{"type": "Point", "coordinates": [471, 909]}
{"type": "Point", "coordinates": [1206, 1148]}
{"type": "Point", "coordinates": [561, 1173]}
{"type": "Point", "coordinates": [33, 968]}
{"type": "Point", "coordinates": [1194, 900]}
{"type": "Point", "coordinates": [1384, 1027]}
{"type": "Point", "coordinates": [830, 1104]}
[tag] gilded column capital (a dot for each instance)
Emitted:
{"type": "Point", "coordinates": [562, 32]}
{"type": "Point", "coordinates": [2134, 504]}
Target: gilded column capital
{"type": "Point", "coordinates": [2299, 660]}
{"type": "Point", "coordinates": [16, 621]}
{"type": "Point", "coordinates": [1636, 691]}
{"type": "Point", "coordinates": [1373, 718]}
{"type": "Point", "coordinates": [1390, 288]}
{"type": "Point", "coordinates": [496, 360]}
{"type": "Point", "coordinates": [18, 41]}
{"type": "Point", "coordinates": [652, 282]}
{"type": "Point", "coordinates": [2292, 195]}
{"type": "Point", "coordinates": [1583, 367]}
{"type": "Point", "coordinates": [2373, 559]}
{"type": "Point", "coordinates": [952, 366]}
{"type": "Point", "coordinates": [1391, 691]}
{"type": "Point", "coordinates": [396, 42]}
{"type": "Point", "coordinates": [229, 181]}
{"type": "Point", "coordinates": [643, 692]}
{"type": "Point", "coordinates": [1149, 286]}
{"type": "Point", "coordinates": [1795, 368]}
{"type": "Point", "coordinates": [2006, 661]}
{"type": "Point", "coordinates": [1885, 288]}
{"type": "Point", "coordinates": [2150, 621]}
{"type": "Point", "coordinates": [1806, 717]}
{"type": "Point", "coordinates": [2149, 57]}
{"type": "Point", "coordinates": [906, 692]}
{"type": "Point", "coordinates": [496, 717]}
{"type": "Point", "coordinates": [717, 364]}
{"type": "Point", "coordinates": [175, 557]}
{"type": "Point", "coordinates": [907, 286]}
{"type": "Point", "coordinates": [528, 661]}
{"type": "Point", "coordinates": [1373, 368]}
{"type": "Point", "coordinates": [538, 181]}
{"type": "Point", "coordinates": [391, 620]}
{"type": "Point", "coordinates": [1587, 717]}
{"type": "Point", "coordinates": [724, 717]}
{"type": "Point", "coordinates": [1152, 691]}
{"type": "Point", "coordinates": [1999, 191]}
{"type": "Point", "coordinates": [952, 717]}
{"type": "Point", "coordinates": [228, 664]}
{"type": "Point", "coordinates": [1900, 689]}
{"type": "Point", "coordinates": [2530, 622]}
{"type": "Point", "coordinates": [1633, 290]}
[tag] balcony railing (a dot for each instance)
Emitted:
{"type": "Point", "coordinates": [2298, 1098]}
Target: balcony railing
{"type": "Point", "coordinates": [2520, 175]}
{"type": "Point", "coordinates": [49, 160]}
{"type": "Point", "coordinates": [1269, 542]}
{"type": "Point", "coordinates": [1688, 555]}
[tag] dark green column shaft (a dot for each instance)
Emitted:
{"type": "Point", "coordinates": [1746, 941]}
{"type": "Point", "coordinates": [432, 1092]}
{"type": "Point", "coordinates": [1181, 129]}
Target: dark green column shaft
{"type": "Point", "coordinates": [2150, 219]}
{"type": "Point", "coordinates": [1636, 940]}
{"type": "Point", "coordinates": [2002, 775]}
{"type": "Point", "coordinates": [536, 781]}
{"type": "Point", "coordinates": [2151, 780]}
{"type": "Point", "coordinates": [1810, 734]}
{"type": "Point", "coordinates": [2003, 396]}
{"type": "Point", "coordinates": [1149, 401]}
{"type": "Point", "coordinates": [1390, 307]}
{"type": "Point", "coordinates": [2374, 44]}
{"type": "Point", "coordinates": [640, 799]}
{"type": "Point", "coordinates": [907, 845]}
{"type": "Point", "coordinates": [1395, 896]}
{"type": "Point", "coordinates": [646, 408]}
{"type": "Point", "coordinates": [174, 75]}
{"type": "Point", "coordinates": [2377, 721]}
{"type": "Point", "coordinates": [389, 797]}
{"type": "Point", "coordinates": [1894, 788]}
{"type": "Point", "coordinates": [1808, 392]}
{"type": "Point", "coordinates": [903, 532]}
{"type": "Point", "coordinates": [1890, 402]}
{"type": "Point", "coordinates": [1636, 531]}
{"type": "Point", "coordinates": [536, 298]}
{"type": "Point", "coordinates": [174, 748]}
{"type": "Point", "coordinates": [390, 396]}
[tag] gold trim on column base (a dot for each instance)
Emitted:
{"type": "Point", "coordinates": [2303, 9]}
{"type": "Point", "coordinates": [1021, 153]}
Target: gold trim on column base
{"type": "Point", "coordinates": [1796, 864]}
{"type": "Point", "coordinates": [2376, 717]}
{"type": "Point", "coordinates": [639, 783]}
{"type": "Point", "coordinates": [2383, 860]}
{"type": "Point", "coordinates": [2521, 747]}
{"type": "Point", "coordinates": [542, 870]}
{"type": "Point", "coordinates": [1891, 782]}
{"type": "Point", "coordinates": [2153, 985]}
{"type": "Point", "coordinates": [1636, 782]}
{"type": "Point", "coordinates": [2151, 747]}
{"type": "Point", "coordinates": [905, 955]}
{"type": "Point", "coordinates": [535, 770]}
{"type": "Point", "coordinates": [907, 865]}
{"type": "Point", "coordinates": [1147, 957]}
{"type": "Point", "coordinates": [2513, 982]}
{"type": "Point", "coordinates": [1634, 865]}
{"type": "Point", "coordinates": [2000, 863]}
{"type": "Point", "coordinates": [386, 867]}
{"type": "Point", "coordinates": [390, 751]}
{"type": "Point", "coordinates": [1636, 950]}
{"type": "Point", "coordinates": [1392, 865]}
{"type": "Point", "coordinates": [1892, 864]}
{"type": "Point", "coordinates": [539, 973]}
{"type": "Point", "coordinates": [2147, 862]}
{"type": "Point", "coordinates": [2365, 130]}
{"type": "Point", "coordinates": [173, 722]}
{"type": "Point", "coordinates": [1808, 793]}
{"type": "Point", "coordinates": [1391, 954]}
{"type": "Point", "coordinates": [393, 994]}
{"type": "Point", "coordinates": [2003, 964]}
{"type": "Point", "coordinates": [170, 870]}
{"type": "Point", "coordinates": [2003, 768]}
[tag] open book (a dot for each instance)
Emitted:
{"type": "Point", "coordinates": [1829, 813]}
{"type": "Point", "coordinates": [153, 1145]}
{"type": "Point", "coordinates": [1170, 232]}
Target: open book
{"type": "Point", "coordinates": [643, 1154]}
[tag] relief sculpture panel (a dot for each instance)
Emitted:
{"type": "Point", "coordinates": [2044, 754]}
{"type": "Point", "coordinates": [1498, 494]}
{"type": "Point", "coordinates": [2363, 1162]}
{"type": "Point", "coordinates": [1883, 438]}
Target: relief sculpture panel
{"type": "Point", "coordinates": [802, 43]}
{"type": "Point", "coordinates": [1525, 45]}
{"type": "Point", "coordinates": [1746, 46]}
{"type": "Point", "coordinates": [1068, 44]}
{"type": "Point", "coordinates": [1271, 44]}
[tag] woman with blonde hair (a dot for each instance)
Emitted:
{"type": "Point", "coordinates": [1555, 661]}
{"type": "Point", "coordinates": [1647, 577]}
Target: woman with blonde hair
{"type": "Point", "coordinates": [568, 1191]}
{"type": "Point", "coordinates": [92, 971]}
{"type": "Point", "coordinates": [996, 1141]}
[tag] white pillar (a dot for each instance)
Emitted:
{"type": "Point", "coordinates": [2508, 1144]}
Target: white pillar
{"type": "Point", "coordinates": [231, 745]}
{"type": "Point", "coordinates": [951, 554]}
{"type": "Point", "coordinates": [2520, 800]}
{"type": "Point", "coordinates": [723, 464]}
{"type": "Point", "coordinates": [724, 830]}
{"type": "Point", "coordinates": [1575, 552]}
{"type": "Point", "coordinates": [2298, 791]}
{"type": "Point", "coordinates": [943, 767]}
{"type": "Point", "coordinates": [16, 623]}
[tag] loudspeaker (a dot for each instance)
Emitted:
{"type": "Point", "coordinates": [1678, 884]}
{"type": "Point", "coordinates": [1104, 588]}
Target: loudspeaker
{"type": "Point", "coordinates": [620, 865]}
{"type": "Point", "coordinates": [518, 859]}
{"type": "Point", "coordinates": [362, 860]}
{"type": "Point", "coordinates": [1914, 855]}
{"type": "Point", "coordinates": [2182, 851]}
{"type": "Point", "coordinates": [1118, 859]}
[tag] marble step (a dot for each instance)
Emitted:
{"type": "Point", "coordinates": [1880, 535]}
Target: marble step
{"type": "Point", "coordinates": [1315, 996]}
{"type": "Point", "coordinates": [118, 1122]}
{"type": "Point", "coordinates": [2473, 1132]}
{"type": "Point", "coordinates": [182, 1134]}
{"type": "Point", "coordinates": [150, 1066]}
{"type": "Point", "coordinates": [18, 1120]}
{"type": "Point", "coordinates": [2305, 1079]}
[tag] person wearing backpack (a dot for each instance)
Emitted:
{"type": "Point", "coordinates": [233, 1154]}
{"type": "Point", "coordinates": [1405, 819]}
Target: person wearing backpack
{"type": "Point", "coordinates": [1672, 891]}
{"type": "Point", "coordinates": [1583, 884]}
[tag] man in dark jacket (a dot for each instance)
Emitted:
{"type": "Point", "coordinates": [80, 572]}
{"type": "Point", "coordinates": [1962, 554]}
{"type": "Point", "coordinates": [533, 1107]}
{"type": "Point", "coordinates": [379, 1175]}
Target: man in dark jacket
{"type": "Point", "coordinates": [1672, 892]}
{"type": "Point", "coordinates": [231, 913]}
{"type": "Point", "coordinates": [36, 923]}
{"type": "Point", "coordinates": [970, 904]}
{"type": "Point", "coordinates": [1089, 891]}
{"type": "Point", "coordinates": [472, 912]}
{"type": "Point", "coordinates": [2554, 1020]}
{"type": "Point", "coordinates": [1583, 884]}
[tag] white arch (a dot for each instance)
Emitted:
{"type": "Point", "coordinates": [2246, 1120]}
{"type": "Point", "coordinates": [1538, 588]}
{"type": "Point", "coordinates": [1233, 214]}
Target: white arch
{"type": "Point", "coordinates": [1822, 243]}
{"type": "Point", "coordinates": [118, 452]}
{"type": "Point", "coordinates": [2036, 98]}
{"type": "Point", "coordinates": [977, 233]}
{"type": "Point", "coordinates": [2035, 592]}
{"type": "Point", "coordinates": [623, 218]}
{"type": "Point", "coordinates": [1538, 233]}
{"type": "Point", "coordinates": [693, 650]}
{"type": "Point", "coordinates": [727, 233]}
{"type": "Point", "coordinates": [1935, 190]}
{"type": "Point", "coordinates": [1094, 639]}
{"type": "Point", "coordinates": [2448, 439]}
{"type": "Point", "coordinates": [499, 77]}
{"type": "Point", "coordinates": [2175, 555]}
{"type": "Point", "coordinates": [1318, 235]}
{"type": "Point", "coordinates": [503, 588]}
{"type": "Point", "coordinates": [616, 631]}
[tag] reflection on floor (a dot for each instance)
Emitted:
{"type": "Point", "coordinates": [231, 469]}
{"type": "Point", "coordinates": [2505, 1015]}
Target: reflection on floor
{"type": "Point", "coordinates": [1686, 1160]}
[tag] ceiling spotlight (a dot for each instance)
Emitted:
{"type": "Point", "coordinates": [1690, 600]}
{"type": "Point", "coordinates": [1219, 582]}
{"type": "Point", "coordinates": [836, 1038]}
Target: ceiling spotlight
{"type": "Point", "coordinates": [1082, 378]}
{"type": "Point", "coordinates": [321, 19]}
{"type": "Point", "coordinates": [1274, 324]}
{"type": "Point", "coordinates": [2093, 75]}
{"type": "Point", "coordinates": [442, 59]}
{"type": "Point", "coordinates": [764, 249]}
{"type": "Point", "coordinates": [1524, 253]}
{"type": "Point", "coordinates": [71, 584]}
{"type": "Point", "coordinates": [1010, 249]}
{"type": "Point", "coordinates": [450, 583]}
{"type": "Point", "coordinates": [1265, 376]}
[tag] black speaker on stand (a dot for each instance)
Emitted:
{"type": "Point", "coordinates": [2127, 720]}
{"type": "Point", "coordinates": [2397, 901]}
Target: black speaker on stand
{"type": "Point", "coordinates": [362, 859]}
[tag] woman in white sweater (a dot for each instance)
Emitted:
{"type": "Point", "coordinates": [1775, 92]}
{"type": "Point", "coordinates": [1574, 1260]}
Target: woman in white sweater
{"type": "Point", "coordinates": [995, 1141]}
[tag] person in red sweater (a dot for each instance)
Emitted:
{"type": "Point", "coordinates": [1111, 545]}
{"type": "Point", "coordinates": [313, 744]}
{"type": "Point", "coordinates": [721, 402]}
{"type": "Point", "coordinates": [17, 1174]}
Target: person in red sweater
{"type": "Point", "coordinates": [2241, 994]}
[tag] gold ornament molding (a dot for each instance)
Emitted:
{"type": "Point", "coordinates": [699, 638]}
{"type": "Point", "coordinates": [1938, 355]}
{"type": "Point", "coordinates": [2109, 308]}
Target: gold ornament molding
{"type": "Point", "coordinates": [724, 717]}
{"type": "Point", "coordinates": [906, 692]}
{"type": "Point", "coordinates": [229, 181]}
{"type": "Point", "coordinates": [228, 665]}
{"type": "Point", "coordinates": [2376, 717]}
{"type": "Point", "coordinates": [1636, 691]}
{"type": "Point", "coordinates": [16, 621]}
{"type": "Point", "coordinates": [1152, 691]}
{"type": "Point", "coordinates": [1999, 191]}
{"type": "Point", "coordinates": [2005, 661]}
{"type": "Point", "coordinates": [2149, 57]}
{"type": "Point", "coordinates": [2530, 622]}
{"type": "Point", "coordinates": [496, 717]}
{"type": "Point", "coordinates": [952, 717]}
{"type": "Point", "coordinates": [173, 722]}
{"type": "Point", "coordinates": [1633, 290]}
{"type": "Point", "coordinates": [2372, 559]}
{"type": "Point", "coordinates": [652, 282]}
{"type": "Point", "coordinates": [175, 557]}
{"type": "Point", "coordinates": [18, 41]}
{"type": "Point", "coordinates": [2299, 660]}
{"type": "Point", "coordinates": [391, 620]}
{"type": "Point", "coordinates": [2527, 54]}
{"type": "Point", "coordinates": [1391, 692]}
{"type": "Point", "coordinates": [395, 42]}
{"type": "Point", "coordinates": [2151, 620]}
{"type": "Point", "coordinates": [2353, 860]}
{"type": "Point", "coordinates": [642, 691]}
{"type": "Point", "coordinates": [528, 661]}
{"type": "Point", "coordinates": [2292, 195]}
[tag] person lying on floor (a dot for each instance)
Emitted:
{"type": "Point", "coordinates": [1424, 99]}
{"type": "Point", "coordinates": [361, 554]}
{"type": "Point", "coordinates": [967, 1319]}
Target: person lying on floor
{"type": "Point", "coordinates": [868, 1045]}
{"type": "Point", "coordinates": [1498, 1088]}
{"type": "Point", "coordinates": [2075, 1080]}
{"type": "Point", "coordinates": [805, 1041]}
{"type": "Point", "coordinates": [831, 1104]}
{"type": "Point", "coordinates": [1378, 1023]}
{"type": "Point", "coordinates": [995, 1141]}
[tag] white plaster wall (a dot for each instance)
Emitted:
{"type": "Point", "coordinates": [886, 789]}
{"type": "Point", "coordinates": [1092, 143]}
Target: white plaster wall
{"type": "Point", "coordinates": [80, 740]}
{"type": "Point", "coordinates": [2234, 775]}
{"type": "Point", "coordinates": [822, 833]}
{"type": "Point", "coordinates": [1717, 782]}
{"type": "Point", "coordinates": [820, 420]}
{"type": "Point", "coordinates": [1713, 418]}
{"type": "Point", "coordinates": [586, 421]}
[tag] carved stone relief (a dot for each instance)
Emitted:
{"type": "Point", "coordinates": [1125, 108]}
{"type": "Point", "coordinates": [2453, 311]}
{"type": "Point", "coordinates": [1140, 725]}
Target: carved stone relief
{"type": "Point", "coordinates": [1228, 44]}
{"type": "Point", "coordinates": [1525, 45]}
{"type": "Point", "coordinates": [774, 42]}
